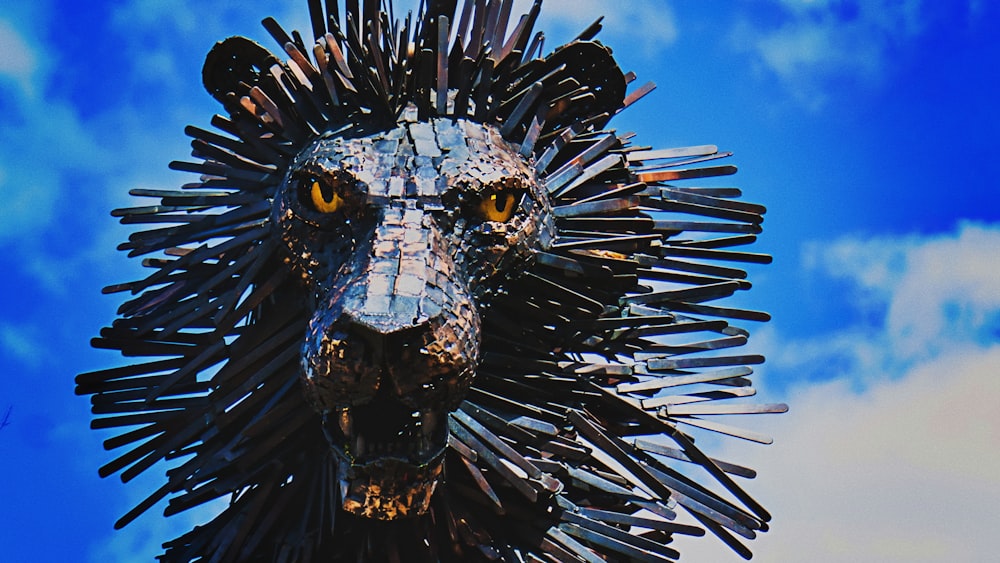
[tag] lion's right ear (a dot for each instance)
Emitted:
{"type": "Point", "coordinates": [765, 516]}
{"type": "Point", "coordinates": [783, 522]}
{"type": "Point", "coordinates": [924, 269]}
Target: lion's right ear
{"type": "Point", "coordinates": [594, 70]}
{"type": "Point", "coordinates": [235, 64]}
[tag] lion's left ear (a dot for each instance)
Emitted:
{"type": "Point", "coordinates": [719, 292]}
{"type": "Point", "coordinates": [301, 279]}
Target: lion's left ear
{"type": "Point", "coordinates": [602, 83]}
{"type": "Point", "coordinates": [579, 83]}
{"type": "Point", "coordinates": [235, 61]}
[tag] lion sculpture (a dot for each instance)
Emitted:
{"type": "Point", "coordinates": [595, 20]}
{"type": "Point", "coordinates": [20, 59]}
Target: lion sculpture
{"type": "Point", "coordinates": [423, 305]}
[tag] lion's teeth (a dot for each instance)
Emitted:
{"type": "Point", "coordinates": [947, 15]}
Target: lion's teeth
{"type": "Point", "coordinates": [346, 422]}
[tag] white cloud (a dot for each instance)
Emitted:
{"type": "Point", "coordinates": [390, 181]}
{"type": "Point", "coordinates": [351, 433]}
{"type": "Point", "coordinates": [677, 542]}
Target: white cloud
{"type": "Point", "coordinates": [940, 291]}
{"type": "Point", "coordinates": [60, 158]}
{"type": "Point", "coordinates": [896, 459]}
{"type": "Point", "coordinates": [46, 145]}
{"type": "Point", "coordinates": [18, 60]}
{"type": "Point", "coordinates": [904, 471]}
{"type": "Point", "coordinates": [649, 23]}
{"type": "Point", "coordinates": [23, 343]}
{"type": "Point", "coordinates": [815, 44]}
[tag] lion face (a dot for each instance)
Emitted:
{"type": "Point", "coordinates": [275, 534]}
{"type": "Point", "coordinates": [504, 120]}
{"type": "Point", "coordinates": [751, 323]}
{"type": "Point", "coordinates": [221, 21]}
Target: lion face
{"type": "Point", "coordinates": [401, 239]}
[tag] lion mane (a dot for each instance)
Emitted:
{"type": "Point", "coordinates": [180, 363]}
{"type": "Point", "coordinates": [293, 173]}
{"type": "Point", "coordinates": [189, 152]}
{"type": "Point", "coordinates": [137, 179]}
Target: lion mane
{"type": "Point", "coordinates": [597, 359]}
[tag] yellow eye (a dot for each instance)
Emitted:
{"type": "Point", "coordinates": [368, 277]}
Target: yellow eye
{"type": "Point", "coordinates": [497, 207]}
{"type": "Point", "coordinates": [323, 197]}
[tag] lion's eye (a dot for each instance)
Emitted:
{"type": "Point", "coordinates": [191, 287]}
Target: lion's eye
{"type": "Point", "coordinates": [498, 206]}
{"type": "Point", "coordinates": [321, 195]}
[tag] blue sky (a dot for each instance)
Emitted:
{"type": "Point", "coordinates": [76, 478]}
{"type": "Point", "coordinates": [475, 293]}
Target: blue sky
{"type": "Point", "coordinates": [868, 129]}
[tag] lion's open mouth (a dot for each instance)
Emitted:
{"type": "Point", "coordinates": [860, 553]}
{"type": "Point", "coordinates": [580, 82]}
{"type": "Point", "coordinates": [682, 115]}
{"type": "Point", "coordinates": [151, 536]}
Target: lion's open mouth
{"type": "Point", "coordinates": [385, 428]}
{"type": "Point", "coordinates": [390, 457]}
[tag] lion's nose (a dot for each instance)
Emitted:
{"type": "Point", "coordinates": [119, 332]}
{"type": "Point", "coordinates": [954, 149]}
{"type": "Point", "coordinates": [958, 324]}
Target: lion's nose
{"type": "Point", "coordinates": [379, 347]}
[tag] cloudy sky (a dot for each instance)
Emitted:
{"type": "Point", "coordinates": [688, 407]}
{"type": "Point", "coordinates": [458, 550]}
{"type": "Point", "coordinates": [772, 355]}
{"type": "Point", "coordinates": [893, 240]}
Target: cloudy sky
{"type": "Point", "coordinates": [869, 129]}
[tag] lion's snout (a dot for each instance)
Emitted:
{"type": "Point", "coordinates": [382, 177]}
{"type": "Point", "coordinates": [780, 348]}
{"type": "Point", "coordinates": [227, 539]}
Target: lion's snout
{"type": "Point", "coordinates": [401, 324]}
{"type": "Point", "coordinates": [386, 357]}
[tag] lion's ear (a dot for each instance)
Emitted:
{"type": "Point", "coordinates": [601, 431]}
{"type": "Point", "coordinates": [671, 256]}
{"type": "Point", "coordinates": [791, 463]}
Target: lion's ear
{"type": "Point", "coordinates": [593, 67]}
{"type": "Point", "coordinates": [232, 62]}
{"type": "Point", "coordinates": [578, 84]}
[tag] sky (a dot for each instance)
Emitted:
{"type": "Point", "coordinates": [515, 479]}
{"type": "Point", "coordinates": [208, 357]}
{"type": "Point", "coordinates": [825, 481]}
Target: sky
{"type": "Point", "coordinates": [867, 128]}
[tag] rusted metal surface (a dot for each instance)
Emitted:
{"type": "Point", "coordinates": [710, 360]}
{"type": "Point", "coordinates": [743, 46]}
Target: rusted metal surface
{"type": "Point", "coordinates": [423, 305]}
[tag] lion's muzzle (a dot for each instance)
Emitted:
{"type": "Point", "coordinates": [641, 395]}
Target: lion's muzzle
{"type": "Point", "coordinates": [390, 351]}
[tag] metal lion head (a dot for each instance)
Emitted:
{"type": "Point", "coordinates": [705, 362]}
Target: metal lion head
{"type": "Point", "coordinates": [423, 305]}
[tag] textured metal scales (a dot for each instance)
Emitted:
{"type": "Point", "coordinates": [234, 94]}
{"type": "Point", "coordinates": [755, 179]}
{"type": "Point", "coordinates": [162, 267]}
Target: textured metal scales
{"type": "Point", "coordinates": [423, 305]}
